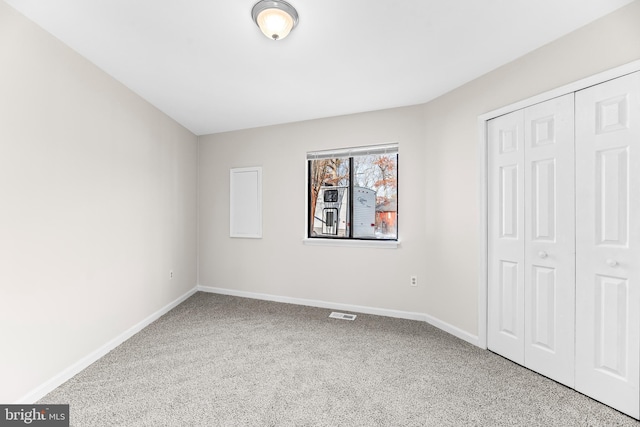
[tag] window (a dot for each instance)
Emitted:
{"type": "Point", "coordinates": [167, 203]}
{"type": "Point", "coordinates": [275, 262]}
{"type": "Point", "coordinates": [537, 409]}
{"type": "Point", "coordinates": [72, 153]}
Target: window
{"type": "Point", "coordinates": [353, 193]}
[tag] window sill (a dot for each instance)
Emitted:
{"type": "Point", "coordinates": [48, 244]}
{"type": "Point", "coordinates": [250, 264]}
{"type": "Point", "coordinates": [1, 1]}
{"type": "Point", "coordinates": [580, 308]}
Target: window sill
{"type": "Point", "coordinates": [380, 244]}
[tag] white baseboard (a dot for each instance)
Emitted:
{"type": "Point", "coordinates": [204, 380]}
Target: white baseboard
{"type": "Point", "coordinates": [453, 330]}
{"type": "Point", "coordinates": [47, 387]}
{"type": "Point", "coordinates": [50, 385]}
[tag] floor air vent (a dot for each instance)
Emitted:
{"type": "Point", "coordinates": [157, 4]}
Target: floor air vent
{"type": "Point", "coordinates": [343, 316]}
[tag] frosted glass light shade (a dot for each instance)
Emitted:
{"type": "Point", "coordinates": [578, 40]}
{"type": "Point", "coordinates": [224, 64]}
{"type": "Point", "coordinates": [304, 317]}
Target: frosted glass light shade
{"type": "Point", "coordinates": [276, 19]}
{"type": "Point", "coordinates": [275, 23]}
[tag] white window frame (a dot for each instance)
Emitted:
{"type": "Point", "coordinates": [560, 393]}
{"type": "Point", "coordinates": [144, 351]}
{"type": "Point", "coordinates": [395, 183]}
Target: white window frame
{"type": "Point", "coordinates": [346, 152]}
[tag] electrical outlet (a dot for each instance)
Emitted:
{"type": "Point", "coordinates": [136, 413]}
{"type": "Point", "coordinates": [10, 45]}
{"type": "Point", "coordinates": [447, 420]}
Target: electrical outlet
{"type": "Point", "coordinates": [414, 281]}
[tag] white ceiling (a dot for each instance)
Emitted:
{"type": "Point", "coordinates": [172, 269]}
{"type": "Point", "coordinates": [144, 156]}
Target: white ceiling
{"type": "Point", "coordinates": [207, 65]}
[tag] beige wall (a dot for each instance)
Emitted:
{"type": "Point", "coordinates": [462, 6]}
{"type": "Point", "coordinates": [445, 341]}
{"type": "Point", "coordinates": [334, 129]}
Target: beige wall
{"type": "Point", "coordinates": [98, 203]}
{"type": "Point", "coordinates": [279, 263]}
{"type": "Point", "coordinates": [439, 168]}
{"type": "Point", "coordinates": [452, 147]}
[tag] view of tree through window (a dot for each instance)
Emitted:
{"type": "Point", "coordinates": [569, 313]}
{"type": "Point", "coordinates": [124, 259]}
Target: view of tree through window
{"type": "Point", "coordinates": [354, 196]}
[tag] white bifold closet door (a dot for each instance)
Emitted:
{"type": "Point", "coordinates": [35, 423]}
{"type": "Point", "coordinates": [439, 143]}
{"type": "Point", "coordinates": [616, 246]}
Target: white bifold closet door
{"type": "Point", "coordinates": [608, 242]}
{"type": "Point", "coordinates": [532, 238]}
{"type": "Point", "coordinates": [505, 329]}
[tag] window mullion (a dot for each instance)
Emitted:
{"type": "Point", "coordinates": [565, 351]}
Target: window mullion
{"type": "Point", "coordinates": [350, 197]}
{"type": "Point", "coordinates": [310, 208]}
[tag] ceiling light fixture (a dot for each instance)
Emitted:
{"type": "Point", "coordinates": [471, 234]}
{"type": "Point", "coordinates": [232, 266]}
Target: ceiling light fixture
{"type": "Point", "coordinates": [275, 18]}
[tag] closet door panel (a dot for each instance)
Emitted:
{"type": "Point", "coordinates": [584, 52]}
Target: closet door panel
{"type": "Point", "coordinates": [608, 243]}
{"type": "Point", "coordinates": [505, 333]}
{"type": "Point", "coordinates": [549, 242]}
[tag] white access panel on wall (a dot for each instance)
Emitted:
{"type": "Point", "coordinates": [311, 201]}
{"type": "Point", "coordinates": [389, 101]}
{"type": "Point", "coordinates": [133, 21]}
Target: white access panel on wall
{"type": "Point", "coordinates": [608, 242]}
{"type": "Point", "coordinates": [245, 202]}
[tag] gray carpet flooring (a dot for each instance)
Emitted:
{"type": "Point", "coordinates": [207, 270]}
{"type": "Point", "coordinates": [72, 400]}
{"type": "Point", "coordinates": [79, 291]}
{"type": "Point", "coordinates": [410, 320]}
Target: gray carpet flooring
{"type": "Point", "coordinates": [225, 361]}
